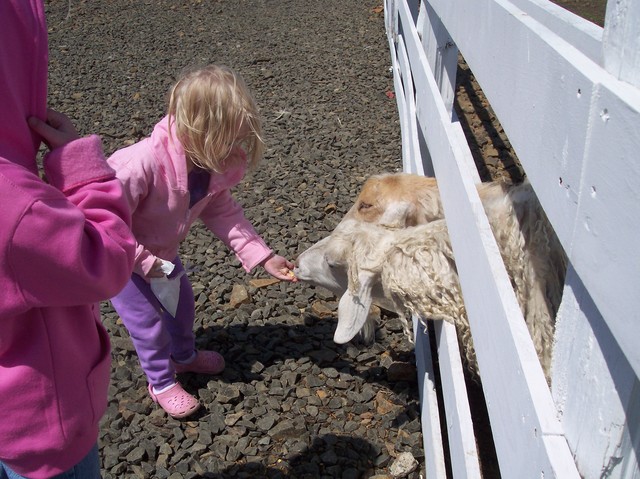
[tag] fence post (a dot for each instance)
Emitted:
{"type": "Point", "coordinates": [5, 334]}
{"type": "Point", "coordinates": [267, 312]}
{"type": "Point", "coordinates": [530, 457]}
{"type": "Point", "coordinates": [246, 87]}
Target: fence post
{"type": "Point", "coordinates": [621, 41]}
{"type": "Point", "coordinates": [603, 431]}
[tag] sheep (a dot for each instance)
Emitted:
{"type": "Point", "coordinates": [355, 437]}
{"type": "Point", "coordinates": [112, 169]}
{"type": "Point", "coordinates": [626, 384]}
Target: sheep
{"type": "Point", "coordinates": [392, 249]}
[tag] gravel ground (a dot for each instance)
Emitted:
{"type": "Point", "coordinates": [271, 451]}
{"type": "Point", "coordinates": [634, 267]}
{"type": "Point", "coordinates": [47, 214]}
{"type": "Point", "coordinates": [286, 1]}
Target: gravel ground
{"type": "Point", "coordinates": [291, 403]}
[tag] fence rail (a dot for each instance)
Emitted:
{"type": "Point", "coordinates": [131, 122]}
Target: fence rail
{"type": "Point", "coordinates": [567, 95]}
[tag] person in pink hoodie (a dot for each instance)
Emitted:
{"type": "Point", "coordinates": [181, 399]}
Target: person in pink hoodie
{"type": "Point", "coordinates": [65, 245]}
{"type": "Point", "coordinates": [182, 173]}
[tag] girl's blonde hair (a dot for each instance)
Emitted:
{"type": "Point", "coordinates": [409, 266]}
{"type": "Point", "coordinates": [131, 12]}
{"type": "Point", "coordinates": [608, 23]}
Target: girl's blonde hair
{"type": "Point", "coordinates": [209, 105]}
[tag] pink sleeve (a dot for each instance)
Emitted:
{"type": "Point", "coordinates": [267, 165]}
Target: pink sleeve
{"type": "Point", "coordinates": [136, 186]}
{"type": "Point", "coordinates": [80, 239]}
{"type": "Point", "coordinates": [145, 260]}
{"type": "Point", "coordinates": [225, 218]}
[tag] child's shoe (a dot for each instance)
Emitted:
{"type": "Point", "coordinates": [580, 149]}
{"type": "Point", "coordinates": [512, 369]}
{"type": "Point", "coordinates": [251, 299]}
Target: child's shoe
{"type": "Point", "coordinates": [205, 362]}
{"type": "Point", "coordinates": [175, 401]}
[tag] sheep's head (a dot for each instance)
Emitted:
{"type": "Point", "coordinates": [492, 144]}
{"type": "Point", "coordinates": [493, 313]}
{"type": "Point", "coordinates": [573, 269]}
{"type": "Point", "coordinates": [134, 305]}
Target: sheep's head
{"type": "Point", "coordinates": [348, 263]}
{"type": "Point", "coordinates": [327, 262]}
{"type": "Point", "coordinates": [324, 264]}
{"type": "Point", "coordinates": [397, 201]}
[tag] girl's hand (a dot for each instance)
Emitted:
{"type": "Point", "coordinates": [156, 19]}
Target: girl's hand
{"type": "Point", "coordinates": [57, 131]}
{"type": "Point", "coordinates": [156, 271]}
{"type": "Point", "coordinates": [280, 268]}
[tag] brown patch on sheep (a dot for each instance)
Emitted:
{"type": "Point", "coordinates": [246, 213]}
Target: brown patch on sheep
{"type": "Point", "coordinates": [397, 201]}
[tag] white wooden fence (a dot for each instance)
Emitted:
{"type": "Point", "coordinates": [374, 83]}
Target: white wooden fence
{"type": "Point", "coordinates": [567, 94]}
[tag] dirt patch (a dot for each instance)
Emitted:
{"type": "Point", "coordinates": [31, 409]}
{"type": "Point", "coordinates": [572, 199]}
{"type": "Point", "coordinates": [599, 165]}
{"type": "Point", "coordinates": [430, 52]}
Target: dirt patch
{"type": "Point", "coordinates": [592, 10]}
{"type": "Point", "coordinates": [489, 145]}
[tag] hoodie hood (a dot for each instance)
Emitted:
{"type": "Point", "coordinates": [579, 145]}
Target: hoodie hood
{"type": "Point", "coordinates": [23, 78]}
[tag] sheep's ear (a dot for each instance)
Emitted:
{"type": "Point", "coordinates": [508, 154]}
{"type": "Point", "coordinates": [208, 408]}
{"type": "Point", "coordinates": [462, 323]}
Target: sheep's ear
{"type": "Point", "coordinates": [353, 309]}
{"type": "Point", "coordinates": [398, 214]}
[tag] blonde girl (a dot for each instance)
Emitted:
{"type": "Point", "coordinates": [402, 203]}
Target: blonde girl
{"type": "Point", "coordinates": [184, 172]}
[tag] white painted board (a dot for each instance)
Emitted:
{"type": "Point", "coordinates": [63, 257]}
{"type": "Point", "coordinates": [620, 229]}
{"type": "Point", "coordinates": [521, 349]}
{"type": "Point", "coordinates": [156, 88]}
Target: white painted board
{"type": "Point", "coordinates": [596, 391]}
{"type": "Point", "coordinates": [462, 441]}
{"type": "Point", "coordinates": [551, 100]}
{"type": "Point", "coordinates": [430, 417]}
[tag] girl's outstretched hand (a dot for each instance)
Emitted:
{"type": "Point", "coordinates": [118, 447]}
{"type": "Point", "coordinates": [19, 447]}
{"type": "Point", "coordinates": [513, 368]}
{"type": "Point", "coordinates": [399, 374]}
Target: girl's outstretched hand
{"type": "Point", "coordinates": [280, 268]}
{"type": "Point", "coordinates": [57, 131]}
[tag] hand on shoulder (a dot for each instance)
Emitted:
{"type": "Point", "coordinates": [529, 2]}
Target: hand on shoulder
{"type": "Point", "coordinates": [57, 131]}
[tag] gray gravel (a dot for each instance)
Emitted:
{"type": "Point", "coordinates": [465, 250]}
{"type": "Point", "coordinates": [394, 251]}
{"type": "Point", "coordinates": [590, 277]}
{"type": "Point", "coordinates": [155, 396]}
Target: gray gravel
{"type": "Point", "coordinates": [291, 403]}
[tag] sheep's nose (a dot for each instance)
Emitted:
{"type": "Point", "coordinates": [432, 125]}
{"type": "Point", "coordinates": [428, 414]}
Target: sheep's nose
{"type": "Point", "coordinates": [298, 273]}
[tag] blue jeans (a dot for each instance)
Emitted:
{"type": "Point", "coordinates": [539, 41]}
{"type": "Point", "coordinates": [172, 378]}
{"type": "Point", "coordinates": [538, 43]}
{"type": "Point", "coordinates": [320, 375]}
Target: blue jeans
{"type": "Point", "coordinates": [88, 468]}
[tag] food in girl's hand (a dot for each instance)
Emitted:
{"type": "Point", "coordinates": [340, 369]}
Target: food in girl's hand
{"type": "Point", "coordinates": [288, 273]}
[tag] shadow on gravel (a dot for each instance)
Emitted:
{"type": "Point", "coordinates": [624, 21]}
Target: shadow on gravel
{"type": "Point", "coordinates": [255, 352]}
{"type": "Point", "coordinates": [329, 456]}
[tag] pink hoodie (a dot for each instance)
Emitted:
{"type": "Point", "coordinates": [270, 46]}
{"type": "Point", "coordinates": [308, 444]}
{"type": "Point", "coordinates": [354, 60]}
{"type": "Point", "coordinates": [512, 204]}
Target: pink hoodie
{"type": "Point", "coordinates": [154, 174]}
{"type": "Point", "coordinates": [64, 246]}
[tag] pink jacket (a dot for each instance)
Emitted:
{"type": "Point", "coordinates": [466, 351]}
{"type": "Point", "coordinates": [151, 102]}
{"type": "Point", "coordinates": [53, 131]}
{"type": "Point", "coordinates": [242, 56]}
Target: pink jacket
{"type": "Point", "coordinates": [64, 246]}
{"type": "Point", "coordinates": [154, 174]}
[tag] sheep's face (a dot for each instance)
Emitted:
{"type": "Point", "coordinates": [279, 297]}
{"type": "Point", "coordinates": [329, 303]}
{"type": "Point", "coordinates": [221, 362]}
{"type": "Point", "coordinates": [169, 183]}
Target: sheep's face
{"type": "Point", "coordinates": [330, 263]}
{"type": "Point", "coordinates": [348, 262]}
{"type": "Point", "coordinates": [324, 265]}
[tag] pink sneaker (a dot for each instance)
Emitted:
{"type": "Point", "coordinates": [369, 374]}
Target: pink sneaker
{"type": "Point", "coordinates": [206, 362]}
{"type": "Point", "coordinates": [175, 401]}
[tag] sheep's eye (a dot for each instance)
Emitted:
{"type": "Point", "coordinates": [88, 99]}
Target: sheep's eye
{"type": "Point", "coordinates": [330, 261]}
{"type": "Point", "coordinates": [364, 206]}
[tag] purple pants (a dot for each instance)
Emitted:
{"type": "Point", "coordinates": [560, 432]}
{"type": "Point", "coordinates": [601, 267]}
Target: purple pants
{"type": "Point", "coordinates": [157, 336]}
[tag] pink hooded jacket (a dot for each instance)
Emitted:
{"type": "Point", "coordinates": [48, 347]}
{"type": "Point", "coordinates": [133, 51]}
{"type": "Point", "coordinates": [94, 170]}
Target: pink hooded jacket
{"type": "Point", "coordinates": [154, 174]}
{"type": "Point", "coordinates": [64, 246]}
